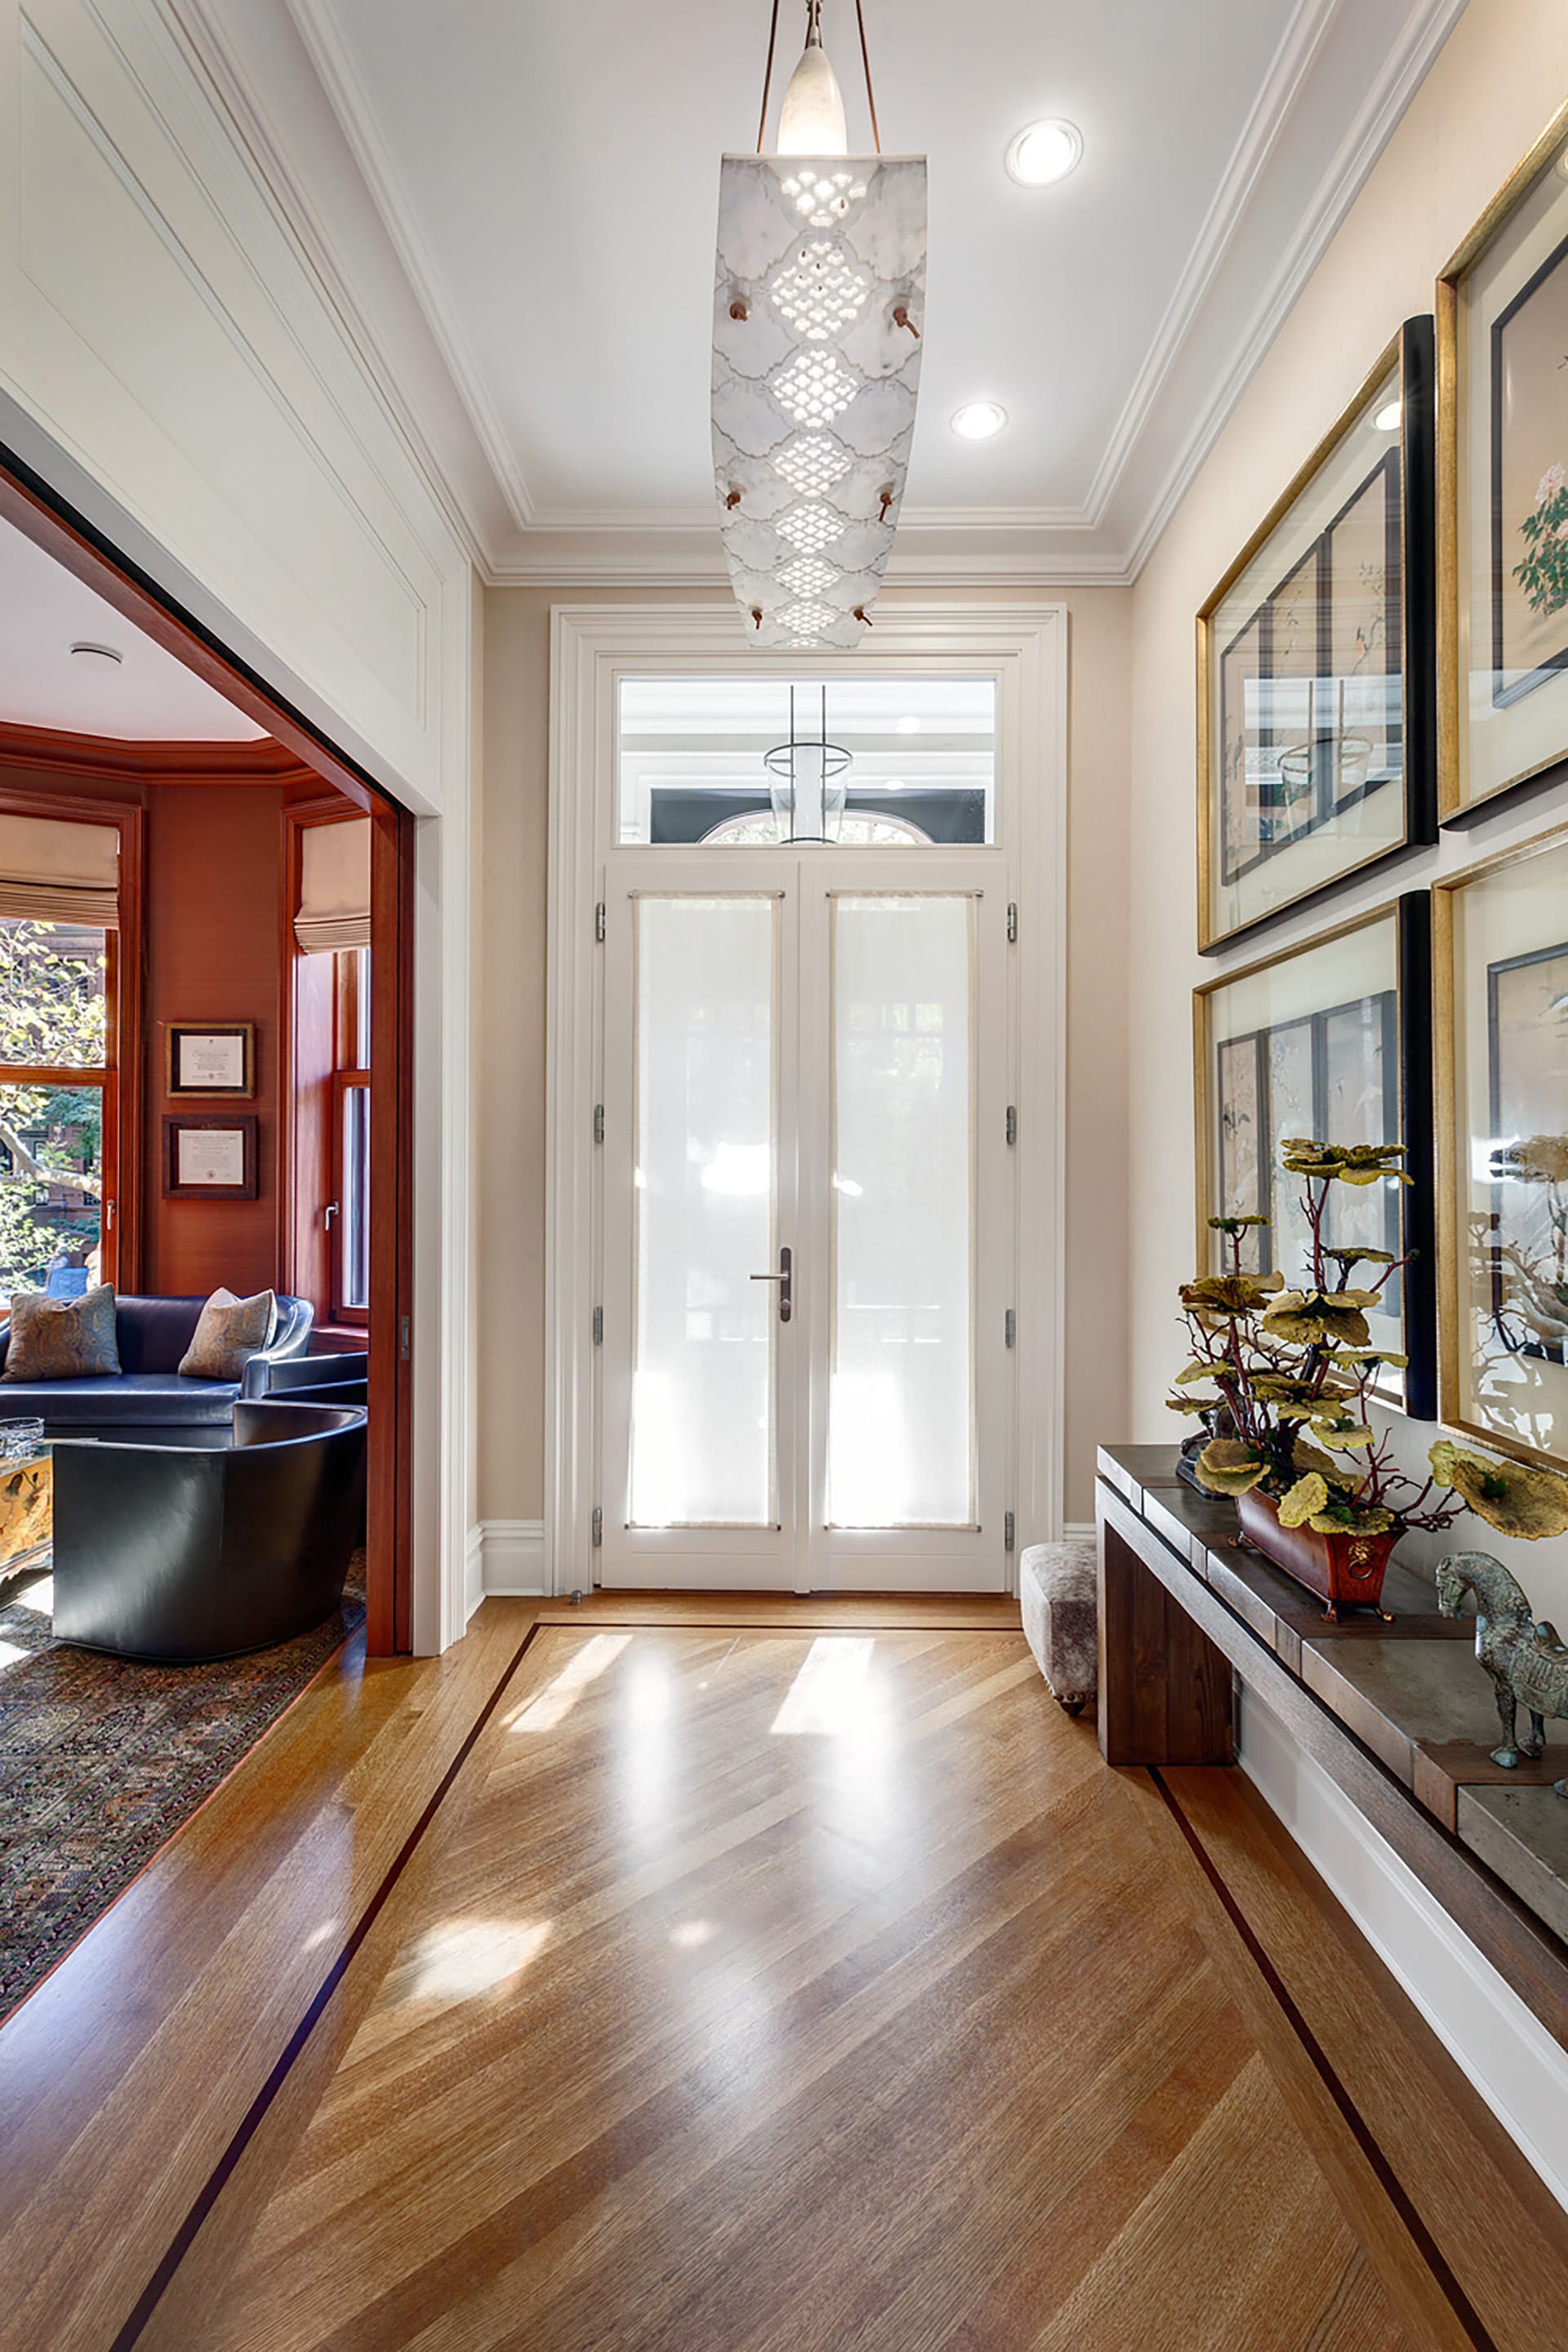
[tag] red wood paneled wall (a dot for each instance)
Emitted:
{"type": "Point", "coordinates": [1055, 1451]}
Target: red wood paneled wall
{"type": "Point", "coordinates": [213, 953]}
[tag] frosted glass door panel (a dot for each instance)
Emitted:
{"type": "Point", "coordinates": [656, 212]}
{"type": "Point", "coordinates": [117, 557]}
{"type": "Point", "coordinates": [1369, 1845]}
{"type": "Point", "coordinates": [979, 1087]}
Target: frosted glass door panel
{"type": "Point", "coordinates": [702, 1434]}
{"type": "Point", "coordinates": [900, 1439]}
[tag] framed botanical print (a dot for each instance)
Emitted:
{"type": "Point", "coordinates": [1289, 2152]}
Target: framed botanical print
{"type": "Point", "coordinates": [1316, 704]}
{"type": "Point", "coordinates": [1500, 949]}
{"type": "Point", "coordinates": [210, 1159]}
{"type": "Point", "coordinates": [1331, 1040]}
{"type": "Point", "coordinates": [1502, 506]}
{"type": "Point", "coordinates": [211, 1057]}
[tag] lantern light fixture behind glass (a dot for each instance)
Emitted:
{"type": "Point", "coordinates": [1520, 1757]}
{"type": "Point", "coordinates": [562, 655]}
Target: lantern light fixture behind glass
{"type": "Point", "coordinates": [808, 778]}
{"type": "Point", "coordinates": [817, 318]}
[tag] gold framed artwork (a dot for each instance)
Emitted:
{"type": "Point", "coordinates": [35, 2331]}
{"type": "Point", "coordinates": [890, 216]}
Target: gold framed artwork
{"type": "Point", "coordinates": [1502, 492]}
{"type": "Point", "coordinates": [1316, 747]}
{"type": "Point", "coordinates": [1501, 964]}
{"type": "Point", "coordinates": [211, 1058]}
{"type": "Point", "coordinates": [1331, 1039]}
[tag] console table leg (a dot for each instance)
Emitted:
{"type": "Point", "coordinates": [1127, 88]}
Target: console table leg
{"type": "Point", "coordinates": [1164, 1687]}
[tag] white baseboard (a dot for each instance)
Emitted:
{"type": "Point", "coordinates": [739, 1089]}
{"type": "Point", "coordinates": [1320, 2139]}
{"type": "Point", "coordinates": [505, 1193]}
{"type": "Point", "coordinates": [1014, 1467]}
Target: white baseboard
{"type": "Point", "coordinates": [512, 1558]}
{"type": "Point", "coordinates": [473, 1572]}
{"type": "Point", "coordinates": [1514, 2064]}
{"type": "Point", "coordinates": [1080, 1531]}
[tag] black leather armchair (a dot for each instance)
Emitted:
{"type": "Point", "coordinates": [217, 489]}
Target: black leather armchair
{"type": "Point", "coordinates": [307, 1379]}
{"type": "Point", "coordinates": [148, 1391]}
{"type": "Point", "coordinates": [181, 1553]}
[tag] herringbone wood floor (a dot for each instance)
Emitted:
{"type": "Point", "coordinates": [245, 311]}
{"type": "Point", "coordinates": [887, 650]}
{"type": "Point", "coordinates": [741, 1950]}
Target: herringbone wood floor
{"type": "Point", "coordinates": [764, 1993]}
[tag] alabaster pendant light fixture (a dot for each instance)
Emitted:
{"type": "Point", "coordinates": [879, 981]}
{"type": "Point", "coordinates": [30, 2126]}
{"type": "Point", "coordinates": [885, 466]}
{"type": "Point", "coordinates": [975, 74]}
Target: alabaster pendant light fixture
{"type": "Point", "coordinates": [817, 318]}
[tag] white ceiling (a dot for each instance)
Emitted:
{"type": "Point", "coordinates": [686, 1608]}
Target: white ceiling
{"type": "Point", "coordinates": [546, 173]}
{"type": "Point", "coordinates": [150, 697]}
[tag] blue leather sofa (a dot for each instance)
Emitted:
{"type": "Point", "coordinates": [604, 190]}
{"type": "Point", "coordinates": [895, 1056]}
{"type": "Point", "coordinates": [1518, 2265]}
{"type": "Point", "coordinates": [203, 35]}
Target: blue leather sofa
{"type": "Point", "coordinates": [148, 1392]}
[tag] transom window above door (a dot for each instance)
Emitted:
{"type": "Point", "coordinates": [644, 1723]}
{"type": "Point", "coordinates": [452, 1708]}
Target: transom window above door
{"type": "Point", "coordinates": [908, 762]}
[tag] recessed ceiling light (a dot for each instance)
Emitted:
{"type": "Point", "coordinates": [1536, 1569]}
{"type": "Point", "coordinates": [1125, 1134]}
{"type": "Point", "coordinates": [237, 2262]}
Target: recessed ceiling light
{"type": "Point", "coordinates": [1387, 419]}
{"type": "Point", "coordinates": [97, 656]}
{"type": "Point", "coordinates": [1043, 153]}
{"type": "Point", "coordinates": [909, 726]}
{"type": "Point", "coordinates": [977, 420]}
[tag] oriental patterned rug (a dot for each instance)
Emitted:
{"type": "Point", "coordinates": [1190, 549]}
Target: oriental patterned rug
{"type": "Point", "coordinates": [103, 1760]}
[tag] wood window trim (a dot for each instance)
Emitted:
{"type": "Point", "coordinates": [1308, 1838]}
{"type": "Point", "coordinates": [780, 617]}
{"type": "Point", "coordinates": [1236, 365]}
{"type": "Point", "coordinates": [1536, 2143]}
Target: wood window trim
{"type": "Point", "coordinates": [343, 1082]}
{"type": "Point", "coordinates": [124, 1222]}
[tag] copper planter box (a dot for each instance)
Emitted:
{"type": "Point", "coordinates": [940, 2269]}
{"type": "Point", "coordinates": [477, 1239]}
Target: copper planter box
{"type": "Point", "coordinates": [1345, 1571]}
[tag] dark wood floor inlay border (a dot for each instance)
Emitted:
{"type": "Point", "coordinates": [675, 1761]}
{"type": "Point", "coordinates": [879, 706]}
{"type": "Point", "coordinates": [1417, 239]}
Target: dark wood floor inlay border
{"type": "Point", "coordinates": [1421, 2237]}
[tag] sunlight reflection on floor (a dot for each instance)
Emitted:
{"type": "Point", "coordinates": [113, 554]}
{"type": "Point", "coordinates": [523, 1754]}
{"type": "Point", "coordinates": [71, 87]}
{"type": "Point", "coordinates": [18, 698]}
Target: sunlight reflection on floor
{"type": "Point", "coordinates": [564, 1688]}
{"type": "Point", "coordinates": [458, 1962]}
{"type": "Point", "coordinates": [828, 1694]}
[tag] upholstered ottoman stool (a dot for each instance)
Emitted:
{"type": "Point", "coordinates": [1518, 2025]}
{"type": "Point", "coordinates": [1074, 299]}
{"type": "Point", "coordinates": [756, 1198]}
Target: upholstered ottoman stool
{"type": "Point", "coordinates": [1056, 1590]}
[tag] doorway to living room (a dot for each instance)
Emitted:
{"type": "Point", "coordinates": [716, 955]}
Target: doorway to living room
{"type": "Point", "coordinates": [205, 921]}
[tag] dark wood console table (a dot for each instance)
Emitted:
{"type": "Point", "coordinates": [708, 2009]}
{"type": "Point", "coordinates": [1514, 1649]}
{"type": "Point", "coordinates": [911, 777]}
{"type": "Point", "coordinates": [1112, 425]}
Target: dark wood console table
{"type": "Point", "coordinates": [1400, 1716]}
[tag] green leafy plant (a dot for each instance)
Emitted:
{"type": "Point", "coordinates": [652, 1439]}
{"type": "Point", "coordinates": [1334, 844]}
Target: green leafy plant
{"type": "Point", "coordinates": [1290, 1375]}
{"type": "Point", "coordinates": [1543, 573]}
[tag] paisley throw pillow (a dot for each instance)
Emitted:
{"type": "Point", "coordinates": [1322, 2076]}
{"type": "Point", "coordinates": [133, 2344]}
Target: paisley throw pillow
{"type": "Point", "coordinates": [62, 1338]}
{"type": "Point", "coordinates": [231, 1330]}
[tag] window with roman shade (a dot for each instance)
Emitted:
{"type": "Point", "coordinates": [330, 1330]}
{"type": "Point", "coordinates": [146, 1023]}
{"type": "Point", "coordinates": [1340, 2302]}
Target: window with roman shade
{"type": "Point", "coordinates": [334, 887]}
{"type": "Point", "coordinates": [53, 870]}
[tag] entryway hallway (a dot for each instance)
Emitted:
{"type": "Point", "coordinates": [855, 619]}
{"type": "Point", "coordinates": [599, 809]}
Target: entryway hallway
{"type": "Point", "coordinates": [744, 1976]}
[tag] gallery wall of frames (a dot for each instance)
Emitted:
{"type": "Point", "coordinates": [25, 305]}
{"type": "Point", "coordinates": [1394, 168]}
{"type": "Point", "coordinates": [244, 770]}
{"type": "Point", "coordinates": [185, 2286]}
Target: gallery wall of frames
{"type": "Point", "coordinates": [1386, 660]}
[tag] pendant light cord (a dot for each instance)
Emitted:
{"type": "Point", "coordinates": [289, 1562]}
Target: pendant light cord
{"type": "Point", "coordinates": [865, 61]}
{"type": "Point", "coordinates": [768, 78]}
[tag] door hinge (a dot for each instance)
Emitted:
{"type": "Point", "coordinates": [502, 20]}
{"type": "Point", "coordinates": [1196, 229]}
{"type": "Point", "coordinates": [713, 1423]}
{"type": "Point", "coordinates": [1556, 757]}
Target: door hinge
{"type": "Point", "coordinates": [1010, 1532]}
{"type": "Point", "coordinates": [598, 1122]}
{"type": "Point", "coordinates": [598, 1327]}
{"type": "Point", "coordinates": [404, 1338]}
{"type": "Point", "coordinates": [599, 922]}
{"type": "Point", "coordinates": [1012, 922]}
{"type": "Point", "coordinates": [598, 1526]}
{"type": "Point", "coordinates": [1010, 1326]}
{"type": "Point", "coordinates": [1012, 1122]}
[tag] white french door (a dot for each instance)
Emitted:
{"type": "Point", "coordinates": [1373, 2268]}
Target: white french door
{"type": "Point", "coordinates": [806, 1221]}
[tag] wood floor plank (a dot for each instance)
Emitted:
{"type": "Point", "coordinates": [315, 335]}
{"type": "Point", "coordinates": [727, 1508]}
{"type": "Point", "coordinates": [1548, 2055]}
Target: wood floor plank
{"type": "Point", "coordinates": [698, 2031]}
{"type": "Point", "coordinates": [774, 1974]}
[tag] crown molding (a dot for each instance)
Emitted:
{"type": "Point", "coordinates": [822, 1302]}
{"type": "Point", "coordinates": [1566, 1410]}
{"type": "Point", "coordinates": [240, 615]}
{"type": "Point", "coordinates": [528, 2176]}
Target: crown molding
{"type": "Point", "coordinates": [210, 50]}
{"type": "Point", "coordinates": [986, 547]}
{"type": "Point", "coordinates": [350, 102]}
{"type": "Point", "coordinates": [1282, 85]}
{"type": "Point", "coordinates": [117, 759]}
{"type": "Point", "coordinates": [1427, 28]}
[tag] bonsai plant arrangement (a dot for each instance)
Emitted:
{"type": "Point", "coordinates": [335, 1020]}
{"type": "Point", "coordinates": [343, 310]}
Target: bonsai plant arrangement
{"type": "Point", "coordinates": [1289, 1375]}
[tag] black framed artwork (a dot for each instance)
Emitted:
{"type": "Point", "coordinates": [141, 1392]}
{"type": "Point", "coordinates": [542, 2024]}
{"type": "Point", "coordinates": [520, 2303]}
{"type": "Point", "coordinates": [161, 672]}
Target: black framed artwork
{"type": "Point", "coordinates": [1317, 711]}
{"type": "Point", "coordinates": [1331, 1040]}
{"type": "Point", "coordinates": [1502, 514]}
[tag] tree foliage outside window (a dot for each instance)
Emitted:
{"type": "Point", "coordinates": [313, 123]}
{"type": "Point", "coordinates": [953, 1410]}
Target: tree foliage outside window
{"type": "Point", "coordinates": [53, 1016]}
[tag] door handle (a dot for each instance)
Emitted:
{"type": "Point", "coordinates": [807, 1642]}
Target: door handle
{"type": "Point", "coordinates": [785, 1279]}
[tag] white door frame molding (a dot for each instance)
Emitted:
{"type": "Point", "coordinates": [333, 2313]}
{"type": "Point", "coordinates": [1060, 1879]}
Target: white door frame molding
{"type": "Point", "coordinates": [1024, 646]}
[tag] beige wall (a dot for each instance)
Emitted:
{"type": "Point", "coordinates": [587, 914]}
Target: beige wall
{"type": "Point", "coordinates": [1502, 72]}
{"type": "Point", "coordinates": [513, 829]}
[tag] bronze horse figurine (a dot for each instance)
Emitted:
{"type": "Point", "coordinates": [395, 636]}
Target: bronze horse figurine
{"type": "Point", "coordinates": [1528, 1662]}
